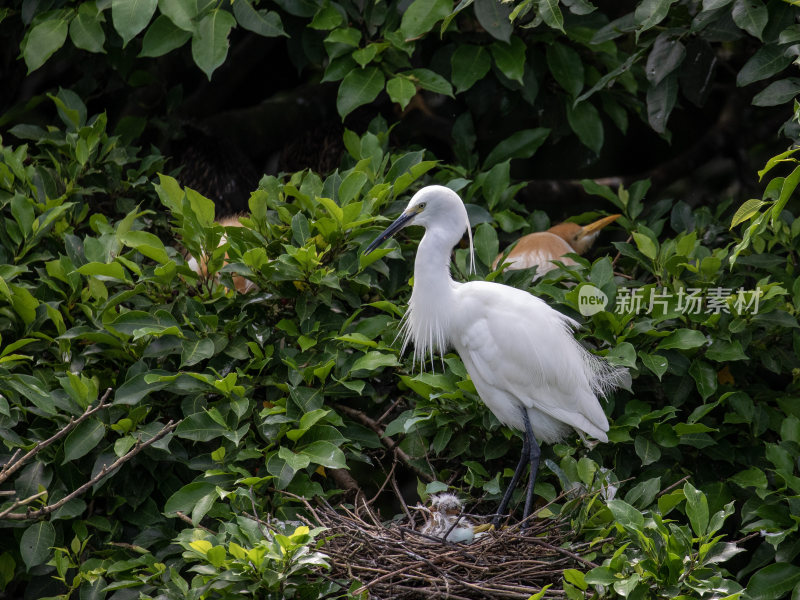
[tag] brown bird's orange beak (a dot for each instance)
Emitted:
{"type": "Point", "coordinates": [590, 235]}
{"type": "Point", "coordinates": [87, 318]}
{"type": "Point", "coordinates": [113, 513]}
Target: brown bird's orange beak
{"type": "Point", "coordinates": [597, 225]}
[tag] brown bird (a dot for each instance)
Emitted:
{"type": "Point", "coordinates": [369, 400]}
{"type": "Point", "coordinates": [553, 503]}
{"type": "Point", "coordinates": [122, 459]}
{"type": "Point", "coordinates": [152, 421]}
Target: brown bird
{"type": "Point", "coordinates": [540, 249]}
{"type": "Point", "coordinates": [200, 267]}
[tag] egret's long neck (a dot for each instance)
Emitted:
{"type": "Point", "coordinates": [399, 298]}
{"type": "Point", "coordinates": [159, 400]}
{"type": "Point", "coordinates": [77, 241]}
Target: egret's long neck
{"type": "Point", "coordinates": [431, 305]}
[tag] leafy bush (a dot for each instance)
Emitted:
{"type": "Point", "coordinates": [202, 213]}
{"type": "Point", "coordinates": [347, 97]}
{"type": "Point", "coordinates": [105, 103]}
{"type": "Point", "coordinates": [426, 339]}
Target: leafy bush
{"type": "Point", "coordinates": [224, 407]}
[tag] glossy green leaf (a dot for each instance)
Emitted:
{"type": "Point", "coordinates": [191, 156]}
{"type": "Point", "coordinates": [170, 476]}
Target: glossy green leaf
{"type": "Point", "coordinates": [584, 120]}
{"type": "Point", "coordinates": [83, 439]}
{"type": "Point", "coordinates": [661, 100]}
{"type": "Point", "coordinates": [359, 87]}
{"type": "Point", "coordinates": [750, 15]}
{"type": "Point", "coordinates": [566, 66]}
{"type": "Point", "coordinates": [683, 339]}
{"type": "Point", "coordinates": [199, 427]}
{"type": "Point", "coordinates": [43, 40]}
{"type": "Point", "coordinates": [778, 92]}
{"type": "Point", "coordinates": [469, 63]}
{"type": "Point", "coordinates": [186, 498]}
{"type": "Point", "coordinates": [130, 17]}
{"type": "Point", "coordinates": [420, 17]}
{"type": "Point", "coordinates": [36, 542]}
{"type": "Point", "coordinates": [326, 454]}
{"type": "Point", "coordinates": [510, 58]}
{"type": "Point", "coordinates": [766, 62]}
{"type": "Point", "coordinates": [85, 29]}
{"type": "Point", "coordinates": [266, 23]}
{"type": "Point", "coordinates": [494, 18]}
{"type": "Point", "coordinates": [162, 37]}
{"type": "Point", "coordinates": [773, 581]}
{"type": "Point", "coordinates": [522, 144]}
{"type": "Point", "coordinates": [647, 451]}
{"type": "Point", "coordinates": [551, 14]}
{"type": "Point", "coordinates": [401, 90]}
{"type": "Point", "coordinates": [210, 40]}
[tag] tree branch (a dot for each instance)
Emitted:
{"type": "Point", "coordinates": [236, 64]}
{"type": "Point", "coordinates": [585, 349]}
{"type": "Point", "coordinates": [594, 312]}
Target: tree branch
{"type": "Point", "coordinates": [390, 444]}
{"type": "Point", "coordinates": [46, 510]}
{"type": "Point", "coordinates": [14, 464]}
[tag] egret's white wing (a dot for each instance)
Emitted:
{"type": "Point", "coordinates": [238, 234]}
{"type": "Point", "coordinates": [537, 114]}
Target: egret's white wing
{"type": "Point", "coordinates": [517, 348]}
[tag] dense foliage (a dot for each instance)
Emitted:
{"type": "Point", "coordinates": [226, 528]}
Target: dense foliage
{"type": "Point", "coordinates": [224, 407]}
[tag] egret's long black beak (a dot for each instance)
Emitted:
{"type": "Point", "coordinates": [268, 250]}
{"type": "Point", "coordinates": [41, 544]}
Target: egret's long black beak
{"type": "Point", "coordinates": [400, 222]}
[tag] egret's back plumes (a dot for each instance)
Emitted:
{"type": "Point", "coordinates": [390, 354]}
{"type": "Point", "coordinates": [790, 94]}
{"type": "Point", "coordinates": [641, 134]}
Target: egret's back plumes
{"type": "Point", "coordinates": [521, 354]}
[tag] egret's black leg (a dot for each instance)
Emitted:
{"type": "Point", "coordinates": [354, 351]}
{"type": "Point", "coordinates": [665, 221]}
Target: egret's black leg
{"type": "Point", "coordinates": [523, 460]}
{"type": "Point", "coordinates": [533, 457]}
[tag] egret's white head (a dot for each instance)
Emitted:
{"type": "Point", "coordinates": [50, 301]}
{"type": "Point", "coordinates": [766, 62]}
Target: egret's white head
{"type": "Point", "coordinates": [439, 210]}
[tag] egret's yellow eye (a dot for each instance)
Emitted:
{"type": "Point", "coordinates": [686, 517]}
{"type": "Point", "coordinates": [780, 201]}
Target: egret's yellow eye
{"type": "Point", "coordinates": [420, 206]}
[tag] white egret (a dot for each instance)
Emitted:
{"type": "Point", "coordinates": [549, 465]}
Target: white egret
{"type": "Point", "coordinates": [520, 353]}
{"type": "Point", "coordinates": [540, 249]}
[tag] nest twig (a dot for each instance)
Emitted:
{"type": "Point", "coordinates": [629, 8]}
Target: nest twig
{"type": "Point", "coordinates": [392, 560]}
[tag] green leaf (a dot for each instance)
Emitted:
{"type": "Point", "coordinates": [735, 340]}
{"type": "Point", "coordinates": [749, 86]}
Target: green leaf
{"type": "Point", "coordinates": [522, 144]}
{"type": "Point", "coordinates": [647, 451]}
{"type": "Point", "coordinates": [696, 509]}
{"type": "Point", "coordinates": [752, 477]}
{"type": "Point", "coordinates": [625, 514]}
{"type": "Point", "coordinates": [747, 211]}
{"type": "Point", "coordinates": [661, 100]}
{"type": "Point", "coordinates": [666, 55]}
{"type": "Point", "coordinates": [200, 427]}
{"type": "Point", "coordinates": [146, 243]}
{"type": "Point", "coordinates": [705, 376]}
{"type": "Point", "coordinates": [85, 30]}
{"type": "Point", "coordinates": [566, 67]}
{"type": "Point", "coordinates": [295, 460]}
{"type": "Point", "coordinates": [83, 439]}
{"type": "Point", "coordinates": [181, 12]}
{"type": "Point", "coordinates": [401, 90]}
{"type": "Point", "coordinates": [494, 18]}
{"type": "Point", "coordinates": [131, 17]}
{"type": "Point", "coordinates": [266, 23]}
{"type": "Point", "coordinates": [682, 339]}
{"type": "Point", "coordinates": [359, 87]}
{"type": "Point", "coordinates": [326, 454]}
{"type": "Point", "coordinates": [510, 58]}
{"type": "Point", "coordinates": [646, 245]}
{"type": "Point", "coordinates": [623, 354]}
{"type": "Point", "coordinates": [194, 351]}
{"type": "Point", "coordinates": [750, 15]}
{"type": "Point", "coordinates": [162, 37]}
{"type": "Point", "coordinates": [551, 14]}
{"type": "Point", "coordinates": [778, 92]}
{"type": "Point", "coordinates": [35, 543]}
{"type": "Point", "coordinates": [43, 40]}
{"type": "Point", "coordinates": [585, 121]}
{"type": "Point", "coordinates": [787, 189]}
{"type": "Point", "coordinates": [469, 63]}
{"type": "Point", "coordinates": [375, 360]}
{"type": "Point", "coordinates": [186, 498]}
{"type": "Point", "coordinates": [655, 362]}
{"type": "Point", "coordinates": [431, 81]}
{"type": "Point", "coordinates": [650, 13]}
{"type": "Point", "coordinates": [766, 62]}
{"type": "Point", "coordinates": [773, 581]}
{"type": "Point", "coordinates": [420, 17]}
{"type": "Point", "coordinates": [210, 41]}
{"type": "Point", "coordinates": [486, 244]}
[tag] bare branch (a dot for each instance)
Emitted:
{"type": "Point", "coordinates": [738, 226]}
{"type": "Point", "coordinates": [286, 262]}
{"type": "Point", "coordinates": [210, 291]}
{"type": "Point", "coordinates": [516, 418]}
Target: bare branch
{"type": "Point", "coordinates": [14, 464]}
{"type": "Point", "coordinates": [356, 414]}
{"type": "Point", "coordinates": [36, 514]}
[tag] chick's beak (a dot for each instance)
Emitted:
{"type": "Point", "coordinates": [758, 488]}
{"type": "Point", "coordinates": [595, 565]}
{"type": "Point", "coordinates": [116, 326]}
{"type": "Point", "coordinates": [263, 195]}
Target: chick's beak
{"type": "Point", "coordinates": [404, 219]}
{"type": "Point", "coordinates": [597, 225]}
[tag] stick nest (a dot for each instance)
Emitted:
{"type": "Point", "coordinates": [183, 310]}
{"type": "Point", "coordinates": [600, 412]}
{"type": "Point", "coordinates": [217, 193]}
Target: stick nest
{"type": "Point", "coordinates": [392, 560]}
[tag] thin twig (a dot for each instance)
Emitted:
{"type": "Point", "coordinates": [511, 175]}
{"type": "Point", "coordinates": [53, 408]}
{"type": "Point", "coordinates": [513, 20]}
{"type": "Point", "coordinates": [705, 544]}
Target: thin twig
{"type": "Point", "coordinates": [14, 464]}
{"type": "Point", "coordinates": [184, 517]}
{"type": "Point", "coordinates": [672, 487]}
{"type": "Point", "coordinates": [390, 444]}
{"type": "Point", "coordinates": [7, 514]}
